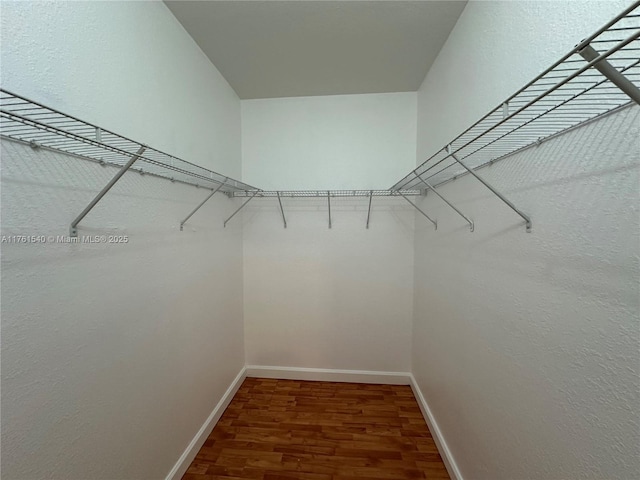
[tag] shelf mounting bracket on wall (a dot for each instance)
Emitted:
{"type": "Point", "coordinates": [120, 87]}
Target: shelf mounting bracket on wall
{"type": "Point", "coordinates": [430, 187]}
{"type": "Point", "coordinates": [73, 230]}
{"type": "Point", "coordinates": [369, 211]}
{"type": "Point", "coordinates": [284, 220]}
{"type": "Point", "coordinates": [202, 203]}
{"type": "Point", "coordinates": [609, 71]}
{"type": "Point", "coordinates": [329, 205]}
{"type": "Point", "coordinates": [493, 190]}
{"type": "Point", "coordinates": [435, 222]}
{"type": "Point", "coordinates": [239, 208]}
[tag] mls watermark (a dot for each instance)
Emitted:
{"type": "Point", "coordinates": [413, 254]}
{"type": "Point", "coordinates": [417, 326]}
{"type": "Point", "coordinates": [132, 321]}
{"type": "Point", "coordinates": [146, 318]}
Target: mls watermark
{"type": "Point", "coordinates": [84, 239]}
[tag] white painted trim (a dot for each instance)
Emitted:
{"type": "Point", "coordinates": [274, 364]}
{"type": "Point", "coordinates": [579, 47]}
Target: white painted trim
{"type": "Point", "coordinates": [443, 448]}
{"type": "Point", "coordinates": [329, 375]}
{"type": "Point", "coordinates": [194, 446]}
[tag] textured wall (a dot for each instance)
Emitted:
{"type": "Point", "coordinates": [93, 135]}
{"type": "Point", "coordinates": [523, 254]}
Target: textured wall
{"type": "Point", "coordinates": [113, 355]}
{"type": "Point", "coordinates": [126, 66]}
{"type": "Point", "coordinates": [495, 48]}
{"type": "Point", "coordinates": [331, 142]}
{"type": "Point", "coordinates": [526, 346]}
{"type": "Point", "coordinates": [329, 298]}
{"type": "Point", "coordinates": [318, 297]}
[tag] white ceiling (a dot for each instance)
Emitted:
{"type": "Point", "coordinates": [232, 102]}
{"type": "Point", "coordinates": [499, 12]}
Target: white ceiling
{"type": "Point", "coordinates": [296, 48]}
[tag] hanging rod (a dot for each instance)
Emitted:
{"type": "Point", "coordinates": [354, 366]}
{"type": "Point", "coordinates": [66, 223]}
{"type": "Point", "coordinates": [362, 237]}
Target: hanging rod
{"type": "Point", "coordinates": [32, 122]}
{"type": "Point", "coordinates": [600, 75]}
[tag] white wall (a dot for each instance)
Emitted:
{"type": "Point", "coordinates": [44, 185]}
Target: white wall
{"type": "Point", "coordinates": [330, 142]}
{"type": "Point", "coordinates": [495, 48]}
{"type": "Point", "coordinates": [329, 298]}
{"type": "Point", "coordinates": [526, 345]}
{"type": "Point", "coordinates": [318, 297]}
{"type": "Point", "coordinates": [113, 356]}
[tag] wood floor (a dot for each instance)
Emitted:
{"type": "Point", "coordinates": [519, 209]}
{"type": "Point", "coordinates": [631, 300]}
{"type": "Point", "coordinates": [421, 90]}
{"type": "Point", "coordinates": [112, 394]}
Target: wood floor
{"type": "Point", "coordinates": [285, 429]}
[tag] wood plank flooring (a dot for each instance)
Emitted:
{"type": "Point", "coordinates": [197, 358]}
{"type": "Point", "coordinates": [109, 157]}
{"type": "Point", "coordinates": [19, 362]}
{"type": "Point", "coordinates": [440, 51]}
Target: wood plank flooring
{"type": "Point", "coordinates": [285, 429]}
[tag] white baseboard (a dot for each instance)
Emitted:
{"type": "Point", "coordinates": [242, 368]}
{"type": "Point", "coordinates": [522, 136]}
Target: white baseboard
{"type": "Point", "coordinates": [194, 446]}
{"type": "Point", "coordinates": [329, 375]}
{"type": "Point", "coordinates": [315, 374]}
{"type": "Point", "coordinates": [445, 453]}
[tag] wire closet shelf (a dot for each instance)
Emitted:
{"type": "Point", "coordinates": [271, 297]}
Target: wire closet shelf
{"type": "Point", "coordinates": [41, 126]}
{"type": "Point", "coordinates": [597, 77]}
{"type": "Point", "coordinates": [325, 193]}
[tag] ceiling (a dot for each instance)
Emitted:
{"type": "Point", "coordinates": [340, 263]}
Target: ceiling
{"type": "Point", "coordinates": [273, 48]}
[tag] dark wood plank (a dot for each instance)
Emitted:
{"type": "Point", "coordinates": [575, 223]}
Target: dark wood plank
{"type": "Point", "coordinates": [288, 429]}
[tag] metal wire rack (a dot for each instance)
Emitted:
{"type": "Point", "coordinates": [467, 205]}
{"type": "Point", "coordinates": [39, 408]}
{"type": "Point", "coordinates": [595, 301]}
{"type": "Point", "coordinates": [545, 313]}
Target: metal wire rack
{"type": "Point", "coordinates": [42, 126]}
{"type": "Point", "coordinates": [600, 75]}
{"type": "Point", "coordinates": [329, 194]}
{"type": "Point", "coordinates": [325, 193]}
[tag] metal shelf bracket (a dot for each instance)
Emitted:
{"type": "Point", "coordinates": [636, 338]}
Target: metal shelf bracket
{"type": "Point", "coordinates": [435, 222]}
{"type": "Point", "coordinates": [239, 208]}
{"type": "Point", "coordinates": [605, 68]}
{"type": "Point", "coordinates": [284, 220]}
{"type": "Point", "coordinates": [430, 187]}
{"type": "Point", "coordinates": [202, 203]}
{"type": "Point", "coordinates": [329, 205]}
{"type": "Point", "coordinates": [369, 211]}
{"type": "Point", "coordinates": [493, 190]}
{"type": "Point", "coordinates": [73, 230]}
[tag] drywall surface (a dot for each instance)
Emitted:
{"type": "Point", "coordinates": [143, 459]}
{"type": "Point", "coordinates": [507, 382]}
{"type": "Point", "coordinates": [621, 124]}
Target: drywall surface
{"type": "Point", "coordinates": [338, 298]}
{"type": "Point", "coordinates": [332, 142]}
{"type": "Point", "coordinates": [113, 354]}
{"type": "Point", "coordinates": [495, 48]}
{"type": "Point", "coordinates": [526, 345]}
{"type": "Point", "coordinates": [126, 66]}
{"type": "Point", "coordinates": [316, 297]}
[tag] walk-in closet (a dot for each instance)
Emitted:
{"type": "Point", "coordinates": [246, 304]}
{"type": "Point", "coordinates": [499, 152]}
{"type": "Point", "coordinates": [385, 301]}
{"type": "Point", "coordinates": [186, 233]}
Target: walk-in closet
{"type": "Point", "coordinates": [320, 240]}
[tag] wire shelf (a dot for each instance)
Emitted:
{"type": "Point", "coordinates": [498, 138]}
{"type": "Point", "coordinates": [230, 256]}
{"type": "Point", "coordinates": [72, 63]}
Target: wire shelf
{"type": "Point", "coordinates": [41, 126]}
{"type": "Point", "coordinates": [325, 193]}
{"type": "Point", "coordinates": [598, 77]}
{"type": "Point", "coordinates": [571, 92]}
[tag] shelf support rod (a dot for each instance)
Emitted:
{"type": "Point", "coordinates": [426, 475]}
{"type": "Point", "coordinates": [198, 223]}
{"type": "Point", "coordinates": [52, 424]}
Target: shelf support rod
{"type": "Point", "coordinates": [239, 208]}
{"type": "Point", "coordinates": [430, 187]}
{"type": "Point", "coordinates": [435, 223]}
{"type": "Point", "coordinates": [284, 220]}
{"type": "Point", "coordinates": [495, 192]}
{"type": "Point", "coordinates": [605, 68]}
{"type": "Point", "coordinates": [369, 212]}
{"type": "Point", "coordinates": [73, 230]}
{"type": "Point", "coordinates": [203, 202]}
{"type": "Point", "coordinates": [329, 205]}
